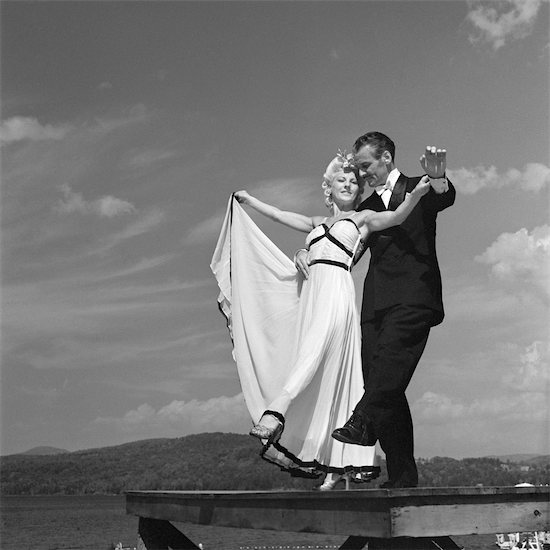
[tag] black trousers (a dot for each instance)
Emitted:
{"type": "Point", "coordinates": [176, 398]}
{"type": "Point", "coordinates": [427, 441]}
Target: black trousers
{"type": "Point", "coordinates": [392, 344]}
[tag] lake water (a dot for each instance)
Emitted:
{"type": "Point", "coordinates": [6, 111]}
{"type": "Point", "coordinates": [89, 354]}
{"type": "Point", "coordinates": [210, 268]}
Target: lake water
{"type": "Point", "coordinates": [100, 522]}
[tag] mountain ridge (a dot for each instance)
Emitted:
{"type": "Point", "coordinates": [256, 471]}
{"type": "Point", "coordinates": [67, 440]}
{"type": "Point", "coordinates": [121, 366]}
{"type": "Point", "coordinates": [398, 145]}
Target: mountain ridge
{"type": "Point", "coordinates": [219, 461]}
{"type": "Point", "coordinates": [44, 450]}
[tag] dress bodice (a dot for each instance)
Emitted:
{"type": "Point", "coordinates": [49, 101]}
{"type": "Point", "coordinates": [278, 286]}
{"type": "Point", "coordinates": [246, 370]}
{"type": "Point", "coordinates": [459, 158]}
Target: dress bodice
{"type": "Point", "coordinates": [335, 244]}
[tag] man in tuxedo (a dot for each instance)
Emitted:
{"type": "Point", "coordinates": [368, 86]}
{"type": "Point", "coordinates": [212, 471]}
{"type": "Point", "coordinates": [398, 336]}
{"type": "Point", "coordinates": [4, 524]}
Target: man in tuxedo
{"type": "Point", "coordinates": [401, 302]}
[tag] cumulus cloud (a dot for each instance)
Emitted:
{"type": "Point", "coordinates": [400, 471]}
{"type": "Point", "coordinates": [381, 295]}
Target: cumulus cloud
{"type": "Point", "coordinates": [533, 177]}
{"type": "Point", "coordinates": [439, 408]}
{"type": "Point", "coordinates": [521, 256]}
{"type": "Point", "coordinates": [107, 206]}
{"type": "Point", "coordinates": [532, 374]}
{"type": "Point", "coordinates": [496, 22]}
{"type": "Point", "coordinates": [516, 394]}
{"type": "Point", "coordinates": [19, 128]}
{"type": "Point", "coordinates": [179, 418]}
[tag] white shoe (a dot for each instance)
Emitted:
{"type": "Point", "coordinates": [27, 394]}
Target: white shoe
{"type": "Point", "coordinates": [331, 480]}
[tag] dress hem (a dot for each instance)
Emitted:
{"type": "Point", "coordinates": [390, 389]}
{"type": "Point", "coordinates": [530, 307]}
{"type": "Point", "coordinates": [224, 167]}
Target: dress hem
{"type": "Point", "coordinates": [313, 469]}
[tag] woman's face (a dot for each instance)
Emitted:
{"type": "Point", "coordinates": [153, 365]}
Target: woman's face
{"type": "Point", "coordinates": [345, 188]}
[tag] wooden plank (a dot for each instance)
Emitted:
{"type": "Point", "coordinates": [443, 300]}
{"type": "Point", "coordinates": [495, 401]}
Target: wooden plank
{"type": "Point", "coordinates": [416, 521]}
{"type": "Point", "coordinates": [419, 512]}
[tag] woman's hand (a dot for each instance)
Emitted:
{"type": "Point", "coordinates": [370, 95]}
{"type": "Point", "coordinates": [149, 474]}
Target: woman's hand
{"type": "Point", "coordinates": [422, 187]}
{"type": "Point", "coordinates": [242, 196]}
{"type": "Point", "coordinates": [301, 262]}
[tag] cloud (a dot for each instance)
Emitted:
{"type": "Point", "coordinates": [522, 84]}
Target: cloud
{"type": "Point", "coordinates": [142, 265]}
{"type": "Point", "coordinates": [534, 177]}
{"type": "Point", "coordinates": [179, 418]}
{"type": "Point", "coordinates": [533, 372]}
{"type": "Point", "coordinates": [107, 206]}
{"type": "Point", "coordinates": [147, 223]}
{"type": "Point", "coordinates": [19, 128]}
{"type": "Point", "coordinates": [145, 159]}
{"type": "Point", "coordinates": [440, 408]}
{"type": "Point", "coordinates": [522, 257]}
{"type": "Point", "coordinates": [103, 125]}
{"type": "Point", "coordinates": [143, 327]}
{"type": "Point", "coordinates": [105, 86]}
{"type": "Point", "coordinates": [498, 22]}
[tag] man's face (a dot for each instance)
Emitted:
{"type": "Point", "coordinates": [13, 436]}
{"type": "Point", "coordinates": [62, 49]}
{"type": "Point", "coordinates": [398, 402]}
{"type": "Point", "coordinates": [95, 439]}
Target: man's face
{"type": "Point", "coordinates": [374, 171]}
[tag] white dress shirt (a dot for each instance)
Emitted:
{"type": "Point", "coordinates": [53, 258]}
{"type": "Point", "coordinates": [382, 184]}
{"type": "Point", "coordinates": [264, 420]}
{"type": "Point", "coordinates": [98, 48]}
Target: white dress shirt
{"type": "Point", "coordinates": [385, 191]}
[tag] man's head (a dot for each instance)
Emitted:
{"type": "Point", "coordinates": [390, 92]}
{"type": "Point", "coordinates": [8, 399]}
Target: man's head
{"type": "Point", "coordinates": [374, 156]}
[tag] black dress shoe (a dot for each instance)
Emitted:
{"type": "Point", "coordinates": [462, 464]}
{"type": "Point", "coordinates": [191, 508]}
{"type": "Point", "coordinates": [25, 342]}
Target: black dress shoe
{"type": "Point", "coordinates": [356, 431]}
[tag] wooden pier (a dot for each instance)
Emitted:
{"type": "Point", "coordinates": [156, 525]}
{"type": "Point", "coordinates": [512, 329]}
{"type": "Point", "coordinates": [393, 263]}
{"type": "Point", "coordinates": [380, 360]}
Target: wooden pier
{"type": "Point", "coordinates": [419, 518]}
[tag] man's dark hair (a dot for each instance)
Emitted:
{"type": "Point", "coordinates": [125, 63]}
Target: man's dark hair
{"type": "Point", "coordinates": [378, 141]}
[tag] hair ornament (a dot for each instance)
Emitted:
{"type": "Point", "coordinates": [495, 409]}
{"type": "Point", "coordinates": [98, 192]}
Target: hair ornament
{"type": "Point", "coordinates": [346, 159]}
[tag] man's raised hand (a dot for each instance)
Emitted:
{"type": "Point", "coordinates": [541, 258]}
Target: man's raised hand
{"type": "Point", "coordinates": [434, 162]}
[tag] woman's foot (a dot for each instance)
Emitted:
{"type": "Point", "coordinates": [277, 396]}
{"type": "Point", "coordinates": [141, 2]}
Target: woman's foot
{"type": "Point", "coordinates": [331, 481]}
{"type": "Point", "coordinates": [269, 427]}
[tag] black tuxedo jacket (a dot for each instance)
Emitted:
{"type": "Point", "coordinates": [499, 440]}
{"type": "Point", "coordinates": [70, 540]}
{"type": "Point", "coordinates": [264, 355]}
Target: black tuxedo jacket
{"type": "Point", "coordinates": [403, 267]}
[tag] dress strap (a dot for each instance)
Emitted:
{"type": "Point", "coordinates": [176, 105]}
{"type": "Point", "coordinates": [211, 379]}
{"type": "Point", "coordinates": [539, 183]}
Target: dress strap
{"type": "Point", "coordinates": [317, 239]}
{"type": "Point", "coordinates": [333, 239]}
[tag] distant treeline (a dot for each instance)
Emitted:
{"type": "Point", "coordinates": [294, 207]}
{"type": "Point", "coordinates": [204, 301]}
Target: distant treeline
{"type": "Point", "coordinates": [219, 461]}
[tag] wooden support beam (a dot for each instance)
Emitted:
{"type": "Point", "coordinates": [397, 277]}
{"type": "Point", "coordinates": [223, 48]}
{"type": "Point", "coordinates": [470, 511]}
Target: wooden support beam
{"type": "Point", "coordinates": [159, 534]}
{"type": "Point", "coordinates": [400, 543]}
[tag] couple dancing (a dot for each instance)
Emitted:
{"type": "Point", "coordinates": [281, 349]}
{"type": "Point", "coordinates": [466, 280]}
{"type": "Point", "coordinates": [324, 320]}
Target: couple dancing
{"type": "Point", "coordinates": [322, 384]}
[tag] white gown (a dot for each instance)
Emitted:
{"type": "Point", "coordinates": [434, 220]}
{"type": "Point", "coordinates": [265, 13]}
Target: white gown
{"type": "Point", "coordinates": [296, 345]}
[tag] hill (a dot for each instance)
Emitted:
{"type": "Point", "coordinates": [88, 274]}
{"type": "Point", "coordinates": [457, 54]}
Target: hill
{"type": "Point", "coordinates": [518, 457]}
{"type": "Point", "coordinates": [205, 461]}
{"type": "Point", "coordinates": [43, 451]}
{"type": "Point", "coordinates": [216, 461]}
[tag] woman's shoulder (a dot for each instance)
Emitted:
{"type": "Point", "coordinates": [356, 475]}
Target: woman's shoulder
{"type": "Point", "coordinates": [318, 220]}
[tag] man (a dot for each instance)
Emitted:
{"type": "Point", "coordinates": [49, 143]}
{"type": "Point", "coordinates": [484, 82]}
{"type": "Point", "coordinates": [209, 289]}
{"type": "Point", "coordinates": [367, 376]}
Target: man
{"type": "Point", "coordinates": [401, 302]}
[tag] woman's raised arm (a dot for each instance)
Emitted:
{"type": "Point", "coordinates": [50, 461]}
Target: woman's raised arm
{"type": "Point", "coordinates": [378, 221]}
{"type": "Point", "coordinates": [290, 219]}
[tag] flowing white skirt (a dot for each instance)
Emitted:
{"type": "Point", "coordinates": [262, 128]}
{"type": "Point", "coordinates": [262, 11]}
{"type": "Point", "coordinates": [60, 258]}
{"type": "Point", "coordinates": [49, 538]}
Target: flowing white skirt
{"type": "Point", "coordinates": [296, 346]}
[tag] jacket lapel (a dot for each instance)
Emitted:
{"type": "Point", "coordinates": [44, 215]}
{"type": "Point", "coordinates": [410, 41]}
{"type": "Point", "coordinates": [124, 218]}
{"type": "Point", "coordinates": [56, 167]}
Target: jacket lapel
{"type": "Point", "coordinates": [372, 202]}
{"type": "Point", "coordinates": [398, 193]}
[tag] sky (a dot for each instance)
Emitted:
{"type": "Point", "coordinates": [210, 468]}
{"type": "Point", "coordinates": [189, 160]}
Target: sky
{"type": "Point", "coordinates": [125, 127]}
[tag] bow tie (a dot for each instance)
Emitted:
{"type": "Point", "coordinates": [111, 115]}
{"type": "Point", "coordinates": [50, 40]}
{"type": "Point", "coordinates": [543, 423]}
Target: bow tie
{"type": "Point", "coordinates": [386, 187]}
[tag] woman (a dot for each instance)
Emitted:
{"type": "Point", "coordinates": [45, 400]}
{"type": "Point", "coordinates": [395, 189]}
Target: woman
{"type": "Point", "coordinates": [314, 373]}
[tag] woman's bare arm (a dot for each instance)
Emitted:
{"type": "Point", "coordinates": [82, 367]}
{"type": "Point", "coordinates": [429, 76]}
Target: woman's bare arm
{"type": "Point", "coordinates": [293, 220]}
{"type": "Point", "coordinates": [370, 220]}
